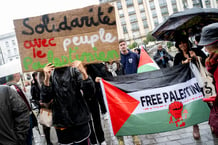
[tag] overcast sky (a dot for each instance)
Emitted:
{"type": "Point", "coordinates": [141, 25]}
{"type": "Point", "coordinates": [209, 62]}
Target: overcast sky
{"type": "Point", "coordinates": [18, 9]}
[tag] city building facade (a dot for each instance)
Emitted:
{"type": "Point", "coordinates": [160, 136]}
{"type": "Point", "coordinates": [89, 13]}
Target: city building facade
{"type": "Point", "coordinates": [8, 48]}
{"type": "Point", "coordinates": [136, 18]}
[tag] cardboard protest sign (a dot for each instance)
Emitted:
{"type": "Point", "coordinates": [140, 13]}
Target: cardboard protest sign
{"type": "Point", "coordinates": [88, 34]}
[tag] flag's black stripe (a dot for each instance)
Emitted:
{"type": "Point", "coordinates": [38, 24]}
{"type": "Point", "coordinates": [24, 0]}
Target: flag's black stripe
{"type": "Point", "coordinates": [152, 79]}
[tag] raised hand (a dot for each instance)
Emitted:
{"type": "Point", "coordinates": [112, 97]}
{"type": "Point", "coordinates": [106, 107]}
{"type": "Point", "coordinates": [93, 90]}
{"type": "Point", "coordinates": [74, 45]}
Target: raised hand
{"type": "Point", "coordinates": [47, 72]}
{"type": "Point", "coordinates": [78, 64]}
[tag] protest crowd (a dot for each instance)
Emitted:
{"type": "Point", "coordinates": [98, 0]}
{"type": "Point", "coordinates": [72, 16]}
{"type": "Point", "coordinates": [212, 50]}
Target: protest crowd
{"type": "Point", "coordinates": [71, 98]}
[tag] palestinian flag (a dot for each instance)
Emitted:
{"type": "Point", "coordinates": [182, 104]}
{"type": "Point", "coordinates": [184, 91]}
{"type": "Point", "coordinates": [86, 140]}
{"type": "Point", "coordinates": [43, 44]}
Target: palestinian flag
{"type": "Point", "coordinates": [152, 102]}
{"type": "Point", "coordinates": [146, 63]}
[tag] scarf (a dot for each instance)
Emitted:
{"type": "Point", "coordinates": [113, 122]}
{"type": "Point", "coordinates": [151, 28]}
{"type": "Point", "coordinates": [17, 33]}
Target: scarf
{"type": "Point", "coordinates": [211, 62]}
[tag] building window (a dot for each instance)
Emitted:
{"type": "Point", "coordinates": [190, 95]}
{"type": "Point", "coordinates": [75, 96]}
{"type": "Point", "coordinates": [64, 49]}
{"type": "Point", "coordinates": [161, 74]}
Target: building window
{"type": "Point", "coordinates": [124, 29]}
{"type": "Point", "coordinates": [143, 16]}
{"type": "Point", "coordinates": [119, 5]}
{"type": "Point", "coordinates": [175, 8]}
{"type": "Point", "coordinates": [154, 14]}
{"type": "Point", "coordinates": [121, 13]}
{"type": "Point", "coordinates": [145, 24]}
{"type": "Point", "coordinates": [173, 2]}
{"type": "Point", "coordinates": [15, 50]}
{"type": "Point", "coordinates": [185, 4]}
{"type": "Point", "coordinates": [6, 44]}
{"type": "Point", "coordinates": [135, 26]}
{"type": "Point", "coordinates": [139, 1]}
{"type": "Point", "coordinates": [207, 2]}
{"type": "Point", "coordinates": [196, 3]}
{"type": "Point", "coordinates": [164, 10]}
{"type": "Point", "coordinates": [129, 2]}
{"type": "Point", "coordinates": [9, 51]}
{"type": "Point", "coordinates": [141, 8]}
{"type": "Point", "coordinates": [155, 21]}
{"type": "Point", "coordinates": [132, 18]}
{"type": "Point", "coordinates": [152, 6]}
{"type": "Point", "coordinates": [122, 21]}
{"type": "Point", "coordinates": [162, 3]}
{"type": "Point", "coordinates": [136, 35]}
{"type": "Point", "coordinates": [13, 42]}
{"type": "Point", "coordinates": [131, 10]}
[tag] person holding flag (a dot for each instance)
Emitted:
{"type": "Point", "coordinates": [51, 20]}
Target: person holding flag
{"type": "Point", "coordinates": [184, 56]}
{"type": "Point", "coordinates": [209, 39]}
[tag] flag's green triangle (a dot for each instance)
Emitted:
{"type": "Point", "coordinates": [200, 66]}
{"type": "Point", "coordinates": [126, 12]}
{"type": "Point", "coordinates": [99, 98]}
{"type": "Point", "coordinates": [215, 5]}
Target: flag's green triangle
{"type": "Point", "coordinates": [146, 63]}
{"type": "Point", "coordinates": [145, 68]}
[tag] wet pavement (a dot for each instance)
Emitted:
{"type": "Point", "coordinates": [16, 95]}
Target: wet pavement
{"type": "Point", "coordinates": [177, 137]}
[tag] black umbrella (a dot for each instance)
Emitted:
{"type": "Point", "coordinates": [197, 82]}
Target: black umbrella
{"type": "Point", "coordinates": [188, 22]}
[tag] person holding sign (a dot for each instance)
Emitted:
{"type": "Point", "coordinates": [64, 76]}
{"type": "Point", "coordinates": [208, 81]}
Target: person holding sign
{"type": "Point", "coordinates": [67, 87]}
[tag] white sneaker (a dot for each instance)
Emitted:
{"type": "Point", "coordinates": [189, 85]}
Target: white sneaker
{"type": "Point", "coordinates": [104, 143]}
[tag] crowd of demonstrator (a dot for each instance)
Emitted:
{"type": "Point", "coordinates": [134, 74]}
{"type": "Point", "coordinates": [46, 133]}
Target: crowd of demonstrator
{"type": "Point", "coordinates": [74, 94]}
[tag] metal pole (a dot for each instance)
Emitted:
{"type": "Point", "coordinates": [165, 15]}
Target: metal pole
{"type": "Point", "coordinates": [201, 4]}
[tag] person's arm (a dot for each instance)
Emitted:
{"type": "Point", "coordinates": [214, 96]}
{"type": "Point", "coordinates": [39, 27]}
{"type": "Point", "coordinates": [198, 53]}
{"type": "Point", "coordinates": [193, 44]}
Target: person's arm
{"type": "Point", "coordinates": [86, 83]}
{"type": "Point", "coordinates": [47, 72]}
{"type": "Point", "coordinates": [81, 68]}
{"type": "Point", "coordinates": [168, 55]}
{"type": "Point", "coordinates": [157, 58]}
{"type": "Point", "coordinates": [177, 60]}
{"type": "Point", "coordinates": [21, 116]}
{"type": "Point", "coordinates": [46, 89]}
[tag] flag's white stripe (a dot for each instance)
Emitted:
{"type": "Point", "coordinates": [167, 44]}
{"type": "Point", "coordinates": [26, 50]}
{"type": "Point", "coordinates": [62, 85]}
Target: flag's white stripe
{"type": "Point", "coordinates": [160, 95]}
{"type": "Point", "coordinates": [106, 104]}
{"type": "Point", "coordinates": [153, 64]}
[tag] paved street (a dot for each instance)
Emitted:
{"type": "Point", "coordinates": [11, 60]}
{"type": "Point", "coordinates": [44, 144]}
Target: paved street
{"type": "Point", "coordinates": [178, 137]}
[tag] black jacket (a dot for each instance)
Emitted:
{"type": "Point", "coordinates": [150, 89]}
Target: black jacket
{"type": "Point", "coordinates": [166, 57]}
{"type": "Point", "coordinates": [35, 91]}
{"type": "Point", "coordinates": [179, 57]}
{"type": "Point", "coordinates": [69, 107]}
{"type": "Point", "coordinates": [14, 116]}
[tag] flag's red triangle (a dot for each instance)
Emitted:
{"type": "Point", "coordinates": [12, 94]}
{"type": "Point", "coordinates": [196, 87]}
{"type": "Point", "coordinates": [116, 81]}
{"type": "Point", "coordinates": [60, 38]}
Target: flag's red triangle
{"type": "Point", "coordinates": [120, 105]}
{"type": "Point", "coordinates": [144, 58]}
